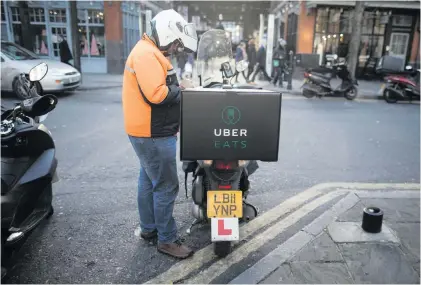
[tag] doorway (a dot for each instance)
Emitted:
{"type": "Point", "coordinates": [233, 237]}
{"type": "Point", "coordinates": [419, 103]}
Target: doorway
{"type": "Point", "coordinates": [57, 32]}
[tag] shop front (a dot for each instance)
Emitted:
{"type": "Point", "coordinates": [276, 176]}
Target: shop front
{"type": "Point", "coordinates": [383, 31]}
{"type": "Point", "coordinates": [50, 19]}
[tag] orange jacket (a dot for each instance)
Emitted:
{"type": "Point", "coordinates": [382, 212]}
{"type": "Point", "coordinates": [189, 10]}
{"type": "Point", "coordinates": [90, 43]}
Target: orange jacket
{"type": "Point", "coordinates": [150, 107]}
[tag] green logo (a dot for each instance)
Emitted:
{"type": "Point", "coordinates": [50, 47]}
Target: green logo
{"type": "Point", "coordinates": [231, 115]}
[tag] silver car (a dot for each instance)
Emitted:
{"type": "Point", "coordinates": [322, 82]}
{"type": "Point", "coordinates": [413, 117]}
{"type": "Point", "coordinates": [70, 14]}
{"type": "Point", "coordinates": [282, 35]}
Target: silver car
{"type": "Point", "coordinates": [16, 60]}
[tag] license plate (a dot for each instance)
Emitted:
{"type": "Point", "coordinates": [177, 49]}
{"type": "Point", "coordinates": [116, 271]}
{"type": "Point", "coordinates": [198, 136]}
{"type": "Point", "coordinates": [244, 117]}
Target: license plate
{"type": "Point", "coordinates": [225, 229]}
{"type": "Point", "coordinates": [225, 204]}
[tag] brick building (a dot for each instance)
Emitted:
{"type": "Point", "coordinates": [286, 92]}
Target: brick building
{"type": "Point", "coordinates": [324, 27]}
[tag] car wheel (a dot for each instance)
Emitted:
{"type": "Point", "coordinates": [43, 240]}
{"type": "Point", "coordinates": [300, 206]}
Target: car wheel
{"type": "Point", "coordinates": [19, 90]}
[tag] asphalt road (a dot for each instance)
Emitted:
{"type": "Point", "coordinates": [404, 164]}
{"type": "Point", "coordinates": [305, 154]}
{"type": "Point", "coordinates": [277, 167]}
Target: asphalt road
{"type": "Point", "coordinates": [90, 238]}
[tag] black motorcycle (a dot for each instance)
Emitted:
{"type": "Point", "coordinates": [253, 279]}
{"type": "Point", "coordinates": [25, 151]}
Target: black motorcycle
{"type": "Point", "coordinates": [28, 168]}
{"type": "Point", "coordinates": [216, 178]}
{"type": "Point", "coordinates": [317, 82]}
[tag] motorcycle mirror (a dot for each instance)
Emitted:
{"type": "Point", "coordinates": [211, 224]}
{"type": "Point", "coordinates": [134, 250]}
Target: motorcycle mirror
{"type": "Point", "coordinates": [241, 65]}
{"type": "Point", "coordinates": [38, 72]}
{"type": "Point", "coordinates": [39, 106]}
{"type": "Point", "coordinates": [226, 68]}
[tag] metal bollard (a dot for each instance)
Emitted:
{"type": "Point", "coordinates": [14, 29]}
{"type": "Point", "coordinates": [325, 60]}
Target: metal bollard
{"type": "Point", "coordinates": [291, 62]}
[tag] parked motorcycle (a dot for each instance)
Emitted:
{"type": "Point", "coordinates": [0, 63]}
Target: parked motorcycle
{"type": "Point", "coordinates": [28, 167]}
{"type": "Point", "coordinates": [402, 86]}
{"type": "Point", "coordinates": [217, 181]}
{"type": "Point", "coordinates": [317, 82]}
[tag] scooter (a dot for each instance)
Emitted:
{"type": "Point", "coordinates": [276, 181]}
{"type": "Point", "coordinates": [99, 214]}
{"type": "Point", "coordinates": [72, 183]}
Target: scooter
{"type": "Point", "coordinates": [402, 87]}
{"type": "Point", "coordinates": [28, 168]}
{"type": "Point", "coordinates": [317, 82]}
{"type": "Point", "coordinates": [217, 183]}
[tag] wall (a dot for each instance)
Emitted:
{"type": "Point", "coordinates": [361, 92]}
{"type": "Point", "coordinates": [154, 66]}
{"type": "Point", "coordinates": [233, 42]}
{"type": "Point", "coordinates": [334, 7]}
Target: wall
{"type": "Point", "coordinates": [305, 30]}
{"type": "Point", "coordinates": [415, 43]}
{"type": "Point", "coordinates": [114, 36]}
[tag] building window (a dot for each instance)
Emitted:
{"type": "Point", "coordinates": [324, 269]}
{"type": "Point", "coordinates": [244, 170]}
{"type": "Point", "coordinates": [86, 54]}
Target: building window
{"type": "Point", "coordinates": [4, 36]}
{"type": "Point", "coordinates": [37, 15]}
{"type": "Point", "coordinates": [334, 28]}
{"type": "Point", "coordinates": [402, 21]}
{"type": "Point", "coordinates": [131, 31]}
{"type": "Point", "coordinates": [15, 14]}
{"type": "Point", "coordinates": [38, 29]}
{"type": "Point", "coordinates": [3, 13]}
{"type": "Point", "coordinates": [372, 37]}
{"type": "Point", "coordinates": [92, 33]}
{"type": "Point", "coordinates": [40, 39]}
{"type": "Point", "coordinates": [95, 17]}
{"type": "Point", "coordinates": [58, 16]}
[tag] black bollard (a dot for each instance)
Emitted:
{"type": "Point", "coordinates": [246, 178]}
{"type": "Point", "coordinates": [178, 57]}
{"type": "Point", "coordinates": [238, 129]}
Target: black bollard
{"type": "Point", "coordinates": [291, 62]}
{"type": "Point", "coordinates": [372, 220]}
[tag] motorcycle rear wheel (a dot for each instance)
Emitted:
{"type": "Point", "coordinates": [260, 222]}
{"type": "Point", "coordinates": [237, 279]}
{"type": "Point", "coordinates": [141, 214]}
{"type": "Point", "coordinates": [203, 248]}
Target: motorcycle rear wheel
{"type": "Point", "coordinates": [389, 97]}
{"type": "Point", "coordinates": [352, 93]}
{"type": "Point", "coordinates": [222, 248]}
{"type": "Point", "coordinates": [308, 94]}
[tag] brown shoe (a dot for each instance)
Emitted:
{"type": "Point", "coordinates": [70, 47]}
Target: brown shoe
{"type": "Point", "coordinates": [176, 249]}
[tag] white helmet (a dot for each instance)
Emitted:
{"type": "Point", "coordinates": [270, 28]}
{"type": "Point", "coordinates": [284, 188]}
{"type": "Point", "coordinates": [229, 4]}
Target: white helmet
{"type": "Point", "coordinates": [168, 27]}
{"type": "Point", "coordinates": [282, 42]}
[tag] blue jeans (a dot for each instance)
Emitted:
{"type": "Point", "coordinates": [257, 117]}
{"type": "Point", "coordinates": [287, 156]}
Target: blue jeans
{"type": "Point", "coordinates": [158, 185]}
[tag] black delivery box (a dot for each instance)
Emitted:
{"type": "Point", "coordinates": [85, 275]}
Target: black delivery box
{"type": "Point", "coordinates": [230, 124]}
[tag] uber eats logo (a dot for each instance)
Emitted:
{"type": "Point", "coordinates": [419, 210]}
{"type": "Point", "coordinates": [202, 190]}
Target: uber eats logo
{"type": "Point", "coordinates": [231, 137]}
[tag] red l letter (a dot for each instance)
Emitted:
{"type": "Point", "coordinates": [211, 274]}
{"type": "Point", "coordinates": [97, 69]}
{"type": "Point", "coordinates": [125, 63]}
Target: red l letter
{"type": "Point", "coordinates": [223, 231]}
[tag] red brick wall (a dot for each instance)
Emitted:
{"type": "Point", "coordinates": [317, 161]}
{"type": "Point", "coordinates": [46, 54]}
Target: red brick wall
{"type": "Point", "coordinates": [415, 43]}
{"type": "Point", "coordinates": [305, 30]}
{"type": "Point", "coordinates": [114, 37]}
{"type": "Point", "coordinates": [113, 21]}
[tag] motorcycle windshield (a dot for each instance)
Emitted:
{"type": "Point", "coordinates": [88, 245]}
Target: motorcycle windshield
{"type": "Point", "coordinates": [214, 49]}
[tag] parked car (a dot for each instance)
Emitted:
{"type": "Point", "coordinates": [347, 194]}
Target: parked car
{"type": "Point", "coordinates": [16, 60]}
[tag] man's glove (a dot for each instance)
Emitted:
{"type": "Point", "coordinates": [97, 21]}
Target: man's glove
{"type": "Point", "coordinates": [172, 80]}
{"type": "Point", "coordinates": [174, 94]}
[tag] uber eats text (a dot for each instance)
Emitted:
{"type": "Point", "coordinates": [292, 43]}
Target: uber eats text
{"type": "Point", "coordinates": [230, 138]}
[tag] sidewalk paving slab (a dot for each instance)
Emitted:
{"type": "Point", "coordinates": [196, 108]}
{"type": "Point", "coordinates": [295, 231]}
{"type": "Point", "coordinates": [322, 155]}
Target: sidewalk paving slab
{"type": "Point", "coordinates": [341, 252]}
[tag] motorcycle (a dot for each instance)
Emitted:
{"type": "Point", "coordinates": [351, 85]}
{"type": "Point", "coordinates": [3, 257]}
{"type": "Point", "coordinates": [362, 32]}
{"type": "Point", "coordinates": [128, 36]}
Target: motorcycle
{"type": "Point", "coordinates": [401, 87]}
{"type": "Point", "coordinates": [317, 82]}
{"type": "Point", "coordinates": [28, 167]}
{"type": "Point", "coordinates": [215, 181]}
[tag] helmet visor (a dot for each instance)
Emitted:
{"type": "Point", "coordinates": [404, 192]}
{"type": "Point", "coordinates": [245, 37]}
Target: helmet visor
{"type": "Point", "coordinates": [190, 31]}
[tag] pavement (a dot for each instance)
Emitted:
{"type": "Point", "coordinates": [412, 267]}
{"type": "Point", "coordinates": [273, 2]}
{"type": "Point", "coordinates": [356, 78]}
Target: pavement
{"type": "Point", "coordinates": [91, 237]}
{"type": "Point", "coordinates": [335, 249]}
{"type": "Point", "coordinates": [330, 249]}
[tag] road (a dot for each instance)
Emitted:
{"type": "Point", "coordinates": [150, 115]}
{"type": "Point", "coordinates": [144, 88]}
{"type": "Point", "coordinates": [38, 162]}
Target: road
{"type": "Point", "coordinates": [90, 238]}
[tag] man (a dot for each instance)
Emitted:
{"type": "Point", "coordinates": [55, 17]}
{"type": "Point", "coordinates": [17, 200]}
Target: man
{"type": "Point", "coordinates": [240, 54]}
{"type": "Point", "coordinates": [251, 55]}
{"type": "Point", "coordinates": [261, 61]}
{"type": "Point", "coordinates": [151, 96]}
{"type": "Point", "coordinates": [278, 60]}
